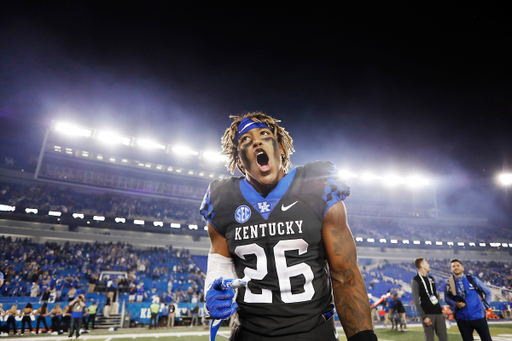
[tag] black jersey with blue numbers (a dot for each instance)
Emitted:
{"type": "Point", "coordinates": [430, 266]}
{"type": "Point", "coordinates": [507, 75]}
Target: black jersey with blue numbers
{"type": "Point", "coordinates": [276, 244]}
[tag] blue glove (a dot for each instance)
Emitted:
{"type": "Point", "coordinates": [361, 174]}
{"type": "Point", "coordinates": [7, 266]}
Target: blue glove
{"type": "Point", "coordinates": [219, 299]}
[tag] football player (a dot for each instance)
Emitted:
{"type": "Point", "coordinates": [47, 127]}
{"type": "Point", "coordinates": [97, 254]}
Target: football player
{"type": "Point", "coordinates": [284, 232]}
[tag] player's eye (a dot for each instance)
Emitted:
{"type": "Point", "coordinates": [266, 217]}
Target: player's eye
{"type": "Point", "coordinates": [265, 132]}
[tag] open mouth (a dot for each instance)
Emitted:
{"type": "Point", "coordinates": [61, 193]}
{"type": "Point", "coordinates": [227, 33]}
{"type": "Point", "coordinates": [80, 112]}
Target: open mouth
{"type": "Point", "coordinates": [263, 161]}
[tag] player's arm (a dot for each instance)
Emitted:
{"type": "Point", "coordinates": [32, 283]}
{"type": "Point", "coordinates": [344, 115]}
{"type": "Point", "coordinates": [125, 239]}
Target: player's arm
{"type": "Point", "coordinates": [219, 298]}
{"type": "Point", "coordinates": [349, 288]}
{"type": "Point", "coordinates": [219, 244]}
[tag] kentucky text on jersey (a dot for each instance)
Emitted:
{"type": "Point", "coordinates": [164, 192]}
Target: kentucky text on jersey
{"type": "Point", "coordinates": [271, 229]}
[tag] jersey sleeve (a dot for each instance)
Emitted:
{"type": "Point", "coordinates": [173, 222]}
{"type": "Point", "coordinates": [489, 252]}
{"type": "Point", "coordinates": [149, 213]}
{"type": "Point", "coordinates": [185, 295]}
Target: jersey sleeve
{"type": "Point", "coordinates": [206, 208]}
{"type": "Point", "coordinates": [213, 206]}
{"type": "Point", "coordinates": [329, 185]}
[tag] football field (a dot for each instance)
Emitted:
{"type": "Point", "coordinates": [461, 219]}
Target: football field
{"type": "Point", "coordinates": [499, 331]}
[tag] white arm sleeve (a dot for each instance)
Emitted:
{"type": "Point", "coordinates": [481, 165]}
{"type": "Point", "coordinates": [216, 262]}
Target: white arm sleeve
{"type": "Point", "coordinates": [218, 266]}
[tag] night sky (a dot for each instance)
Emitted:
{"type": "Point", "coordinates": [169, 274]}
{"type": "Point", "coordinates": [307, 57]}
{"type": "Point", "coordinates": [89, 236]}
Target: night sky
{"type": "Point", "coordinates": [414, 88]}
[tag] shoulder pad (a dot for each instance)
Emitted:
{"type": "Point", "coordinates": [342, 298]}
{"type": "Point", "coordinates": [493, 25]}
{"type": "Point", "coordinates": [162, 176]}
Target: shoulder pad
{"type": "Point", "coordinates": [328, 182]}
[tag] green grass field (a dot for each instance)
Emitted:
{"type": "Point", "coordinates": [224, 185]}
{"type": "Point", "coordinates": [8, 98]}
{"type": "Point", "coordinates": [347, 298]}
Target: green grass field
{"type": "Point", "coordinates": [499, 332]}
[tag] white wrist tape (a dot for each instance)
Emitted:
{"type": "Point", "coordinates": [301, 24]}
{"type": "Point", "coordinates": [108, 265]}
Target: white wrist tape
{"type": "Point", "coordinates": [218, 266]}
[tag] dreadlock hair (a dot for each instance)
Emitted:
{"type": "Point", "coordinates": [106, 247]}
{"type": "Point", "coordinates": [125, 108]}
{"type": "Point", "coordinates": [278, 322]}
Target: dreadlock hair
{"type": "Point", "coordinates": [230, 145]}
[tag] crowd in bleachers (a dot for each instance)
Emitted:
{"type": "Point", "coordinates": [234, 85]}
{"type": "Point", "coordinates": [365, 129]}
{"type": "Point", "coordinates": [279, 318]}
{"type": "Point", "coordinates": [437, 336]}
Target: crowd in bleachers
{"type": "Point", "coordinates": [392, 277]}
{"type": "Point", "coordinates": [388, 229]}
{"type": "Point", "coordinates": [66, 199]}
{"type": "Point", "coordinates": [491, 273]}
{"type": "Point", "coordinates": [62, 271]}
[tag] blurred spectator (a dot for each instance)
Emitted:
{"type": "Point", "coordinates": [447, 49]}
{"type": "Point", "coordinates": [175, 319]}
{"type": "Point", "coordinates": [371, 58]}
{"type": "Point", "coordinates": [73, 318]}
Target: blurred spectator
{"type": "Point", "coordinates": [34, 290]}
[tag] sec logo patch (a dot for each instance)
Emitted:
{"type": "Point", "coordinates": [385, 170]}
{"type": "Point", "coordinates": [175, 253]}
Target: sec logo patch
{"type": "Point", "coordinates": [242, 214]}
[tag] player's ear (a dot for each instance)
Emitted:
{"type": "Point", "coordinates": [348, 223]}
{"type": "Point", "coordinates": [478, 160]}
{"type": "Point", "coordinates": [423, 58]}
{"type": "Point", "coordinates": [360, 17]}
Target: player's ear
{"type": "Point", "coordinates": [239, 165]}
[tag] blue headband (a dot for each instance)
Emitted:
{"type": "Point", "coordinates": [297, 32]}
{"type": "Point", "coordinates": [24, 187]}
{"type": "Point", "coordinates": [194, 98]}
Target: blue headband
{"type": "Point", "coordinates": [246, 125]}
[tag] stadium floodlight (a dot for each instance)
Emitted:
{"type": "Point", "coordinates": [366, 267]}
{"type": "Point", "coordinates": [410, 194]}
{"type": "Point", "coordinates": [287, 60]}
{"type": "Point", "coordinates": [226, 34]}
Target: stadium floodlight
{"type": "Point", "coordinates": [370, 177]}
{"type": "Point", "coordinates": [201, 173]}
{"type": "Point", "coordinates": [215, 156]}
{"type": "Point", "coordinates": [182, 150]}
{"type": "Point", "coordinates": [70, 129]}
{"type": "Point", "coordinates": [505, 179]}
{"type": "Point", "coordinates": [461, 244]}
{"type": "Point", "coordinates": [98, 218]}
{"type": "Point", "coordinates": [120, 220]}
{"type": "Point", "coordinates": [159, 167]}
{"type": "Point", "coordinates": [113, 138]}
{"type": "Point", "coordinates": [416, 181]}
{"type": "Point", "coordinates": [482, 244]}
{"type": "Point", "coordinates": [449, 243]}
{"type": "Point", "coordinates": [370, 240]}
{"type": "Point", "coordinates": [394, 241]}
{"type": "Point", "coordinates": [150, 144]}
{"type": "Point", "coordinates": [383, 240]}
{"type": "Point", "coordinates": [99, 157]}
{"type": "Point", "coordinates": [55, 213]}
{"type": "Point", "coordinates": [78, 215]}
{"type": "Point", "coordinates": [495, 244]}
{"type": "Point", "coordinates": [392, 180]}
{"type": "Point", "coordinates": [428, 242]}
{"type": "Point", "coordinates": [345, 174]}
{"type": "Point", "coordinates": [158, 223]}
{"type": "Point", "coordinates": [69, 151]}
{"type": "Point", "coordinates": [175, 225]}
{"type": "Point", "coordinates": [504, 244]}
{"type": "Point", "coordinates": [206, 227]}
{"type": "Point", "coordinates": [112, 159]}
{"type": "Point", "coordinates": [192, 227]}
{"type": "Point", "coordinates": [7, 208]}
{"type": "Point", "coordinates": [85, 154]}
{"type": "Point", "coordinates": [124, 160]}
{"type": "Point", "coordinates": [31, 210]}
{"type": "Point", "coordinates": [191, 172]}
{"type": "Point", "coordinates": [138, 222]}
{"type": "Point", "coordinates": [178, 170]}
{"type": "Point", "coordinates": [439, 243]}
{"type": "Point", "coordinates": [359, 239]}
{"type": "Point", "coordinates": [472, 244]}
{"type": "Point", "coordinates": [170, 169]}
{"type": "Point", "coordinates": [405, 241]}
{"type": "Point", "coordinates": [211, 175]}
{"type": "Point", "coordinates": [416, 242]}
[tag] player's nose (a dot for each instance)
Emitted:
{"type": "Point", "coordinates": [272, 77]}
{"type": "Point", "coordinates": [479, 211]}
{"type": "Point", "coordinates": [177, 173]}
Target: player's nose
{"type": "Point", "coordinates": [256, 141]}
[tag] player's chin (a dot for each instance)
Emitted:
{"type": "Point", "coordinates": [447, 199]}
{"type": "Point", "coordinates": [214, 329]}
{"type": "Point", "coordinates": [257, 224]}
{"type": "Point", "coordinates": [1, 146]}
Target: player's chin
{"type": "Point", "coordinates": [268, 178]}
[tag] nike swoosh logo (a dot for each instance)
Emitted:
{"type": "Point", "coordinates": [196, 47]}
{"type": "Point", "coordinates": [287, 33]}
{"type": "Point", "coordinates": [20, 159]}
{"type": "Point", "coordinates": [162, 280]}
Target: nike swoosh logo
{"type": "Point", "coordinates": [286, 208]}
{"type": "Point", "coordinates": [248, 124]}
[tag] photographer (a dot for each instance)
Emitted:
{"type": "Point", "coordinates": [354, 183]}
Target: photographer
{"type": "Point", "coordinates": [77, 308]}
{"type": "Point", "coordinates": [467, 296]}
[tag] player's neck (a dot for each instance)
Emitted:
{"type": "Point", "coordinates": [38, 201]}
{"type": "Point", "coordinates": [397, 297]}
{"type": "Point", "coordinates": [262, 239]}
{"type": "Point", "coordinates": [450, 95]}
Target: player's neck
{"type": "Point", "coordinates": [262, 188]}
{"type": "Point", "coordinates": [422, 272]}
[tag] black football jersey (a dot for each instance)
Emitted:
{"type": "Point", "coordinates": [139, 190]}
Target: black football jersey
{"type": "Point", "coordinates": [276, 245]}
